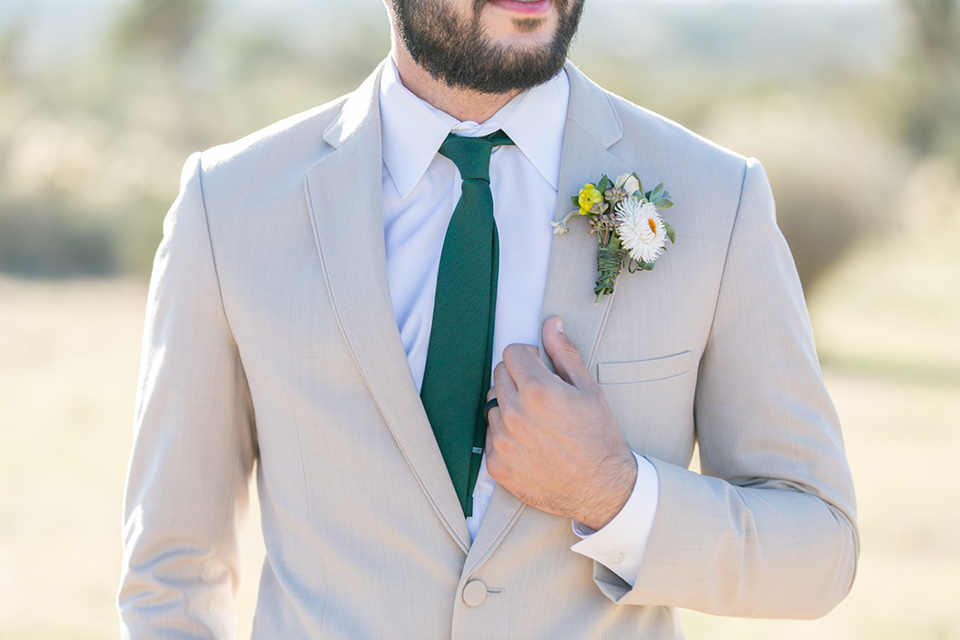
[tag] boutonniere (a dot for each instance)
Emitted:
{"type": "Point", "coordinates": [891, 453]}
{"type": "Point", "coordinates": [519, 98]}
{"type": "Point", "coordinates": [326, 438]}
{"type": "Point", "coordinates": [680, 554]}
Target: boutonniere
{"type": "Point", "coordinates": [627, 223]}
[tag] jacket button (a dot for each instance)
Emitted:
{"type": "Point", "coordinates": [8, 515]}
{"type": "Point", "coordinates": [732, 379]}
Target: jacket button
{"type": "Point", "coordinates": [474, 593]}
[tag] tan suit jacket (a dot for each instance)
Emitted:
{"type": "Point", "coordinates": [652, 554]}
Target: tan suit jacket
{"type": "Point", "coordinates": [270, 339]}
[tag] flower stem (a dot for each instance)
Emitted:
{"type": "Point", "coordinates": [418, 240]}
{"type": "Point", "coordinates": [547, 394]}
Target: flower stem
{"type": "Point", "coordinates": [609, 262]}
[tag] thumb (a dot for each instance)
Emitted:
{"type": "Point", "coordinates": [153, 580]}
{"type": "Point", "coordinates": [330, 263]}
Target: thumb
{"type": "Point", "coordinates": [564, 354]}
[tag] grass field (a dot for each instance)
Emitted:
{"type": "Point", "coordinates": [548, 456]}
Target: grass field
{"type": "Point", "coordinates": [888, 331]}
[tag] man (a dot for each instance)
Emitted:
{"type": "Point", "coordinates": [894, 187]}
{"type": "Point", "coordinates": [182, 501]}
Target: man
{"type": "Point", "coordinates": [293, 320]}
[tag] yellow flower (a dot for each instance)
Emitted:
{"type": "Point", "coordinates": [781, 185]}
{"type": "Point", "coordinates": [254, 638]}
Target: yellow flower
{"type": "Point", "coordinates": [589, 196]}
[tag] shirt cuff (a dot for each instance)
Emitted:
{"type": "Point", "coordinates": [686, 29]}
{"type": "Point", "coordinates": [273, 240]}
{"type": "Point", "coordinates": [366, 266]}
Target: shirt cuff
{"type": "Point", "coordinates": [622, 543]}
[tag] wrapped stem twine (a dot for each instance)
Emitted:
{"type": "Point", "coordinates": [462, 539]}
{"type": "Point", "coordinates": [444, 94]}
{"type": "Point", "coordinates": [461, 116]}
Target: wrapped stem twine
{"type": "Point", "coordinates": [609, 261]}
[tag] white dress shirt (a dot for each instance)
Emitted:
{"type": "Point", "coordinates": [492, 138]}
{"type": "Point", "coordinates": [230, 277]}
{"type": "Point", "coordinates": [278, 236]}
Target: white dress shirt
{"type": "Point", "coordinates": [421, 189]}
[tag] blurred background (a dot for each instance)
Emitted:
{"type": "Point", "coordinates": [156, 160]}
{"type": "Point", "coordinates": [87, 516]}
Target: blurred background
{"type": "Point", "coordinates": [853, 107]}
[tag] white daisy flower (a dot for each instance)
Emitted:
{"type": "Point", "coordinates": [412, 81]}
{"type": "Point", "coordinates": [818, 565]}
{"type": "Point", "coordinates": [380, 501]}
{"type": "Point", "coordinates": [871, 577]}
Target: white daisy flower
{"type": "Point", "coordinates": [628, 183]}
{"type": "Point", "coordinates": [641, 229]}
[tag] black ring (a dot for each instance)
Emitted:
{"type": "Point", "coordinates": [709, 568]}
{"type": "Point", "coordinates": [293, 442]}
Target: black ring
{"type": "Point", "coordinates": [491, 403]}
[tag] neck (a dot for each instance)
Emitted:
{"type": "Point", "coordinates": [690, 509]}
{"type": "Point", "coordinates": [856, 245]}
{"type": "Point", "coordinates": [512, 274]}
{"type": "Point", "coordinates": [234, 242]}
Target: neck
{"type": "Point", "coordinates": [462, 104]}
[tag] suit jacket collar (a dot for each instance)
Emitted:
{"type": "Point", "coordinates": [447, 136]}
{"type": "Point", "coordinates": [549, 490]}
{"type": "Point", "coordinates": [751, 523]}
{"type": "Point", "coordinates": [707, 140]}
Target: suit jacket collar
{"type": "Point", "coordinates": [360, 112]}
{"type": "Point", "coordinates": [344, 196]}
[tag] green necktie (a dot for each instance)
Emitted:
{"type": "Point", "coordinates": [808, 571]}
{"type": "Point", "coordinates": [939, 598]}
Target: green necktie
{"type": "Point", "coordinates": [457, 373]}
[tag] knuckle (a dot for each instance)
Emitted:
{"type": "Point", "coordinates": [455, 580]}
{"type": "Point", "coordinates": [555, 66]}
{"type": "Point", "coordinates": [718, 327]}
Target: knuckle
{"type": "Point", "coordinates": [505, 447]}
{"type": "Point", "coordinates": [495, 465]}
{"type": "Point", "coordinates": [518, 351]}
{"type": "Point", "coordinates": [510, 417]}
{"type": "Point", "coordinates": [510, 354]}
{"type": "Point", "coordinates": [537, 395]}
{"type": "Point", "coordinates": [496, 442]}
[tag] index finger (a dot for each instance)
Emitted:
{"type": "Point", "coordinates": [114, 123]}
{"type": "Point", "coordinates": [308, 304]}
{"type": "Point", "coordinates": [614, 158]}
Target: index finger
{"type": "Point", "coordinates": [523, 363]}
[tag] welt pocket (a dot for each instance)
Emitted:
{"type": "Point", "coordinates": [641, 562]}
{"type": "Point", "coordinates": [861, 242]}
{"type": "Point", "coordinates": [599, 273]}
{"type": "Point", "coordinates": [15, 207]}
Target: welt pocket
{"type": "Point", "coordinates": [643, 370]}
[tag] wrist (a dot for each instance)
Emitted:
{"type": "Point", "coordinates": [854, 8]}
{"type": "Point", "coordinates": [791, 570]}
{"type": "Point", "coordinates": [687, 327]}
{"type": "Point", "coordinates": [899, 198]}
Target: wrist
{"type": "Point", "coordinates": [615, 487]}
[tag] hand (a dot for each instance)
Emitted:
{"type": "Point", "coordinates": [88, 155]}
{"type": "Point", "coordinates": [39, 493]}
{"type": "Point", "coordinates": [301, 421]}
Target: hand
{"type": "Point", "coordinates": [553, 441]}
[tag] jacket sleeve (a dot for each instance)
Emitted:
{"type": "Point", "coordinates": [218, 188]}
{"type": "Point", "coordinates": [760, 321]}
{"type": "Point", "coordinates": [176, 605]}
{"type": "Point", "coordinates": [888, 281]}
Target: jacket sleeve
{"type": "Point", "coordinates": [194, 444]}
{"type": "Point", "coordinates": [769, 529]}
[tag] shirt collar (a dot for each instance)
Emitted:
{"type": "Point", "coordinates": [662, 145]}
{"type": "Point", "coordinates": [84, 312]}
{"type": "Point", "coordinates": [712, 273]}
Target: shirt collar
{"type": "Point", "coordinates": [412, 130]}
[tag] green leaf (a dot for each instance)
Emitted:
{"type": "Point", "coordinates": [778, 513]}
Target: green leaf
{"type": "Point", "coordinates": [604, 184]}
{"type": "Point", "coordinates": [663, 203]}
{"type": "Point", "coordinates": [639, 182]}
{"type": "Point", "coordinates": [656, 193]}
{"type": "Point", "coordinates": [646, 266]}
{"type": "Point", "coordinates": [576, 201]}
{"type": "Point", "coordinates": [670, 232]}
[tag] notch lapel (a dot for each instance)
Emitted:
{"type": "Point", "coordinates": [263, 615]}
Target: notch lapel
{"type": "Point", "coordinates": [592, 127]}
{"type": "Point", "coordinates": [347, 184]}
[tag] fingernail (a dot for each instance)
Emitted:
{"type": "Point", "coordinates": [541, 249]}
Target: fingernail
{"type": "Point", "coordinates": [559, 325]}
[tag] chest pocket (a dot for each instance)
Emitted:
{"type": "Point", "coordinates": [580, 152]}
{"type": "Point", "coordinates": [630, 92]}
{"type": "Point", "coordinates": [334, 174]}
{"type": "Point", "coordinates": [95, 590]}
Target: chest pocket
{"type": "Point", "coordinates": [643, 370]}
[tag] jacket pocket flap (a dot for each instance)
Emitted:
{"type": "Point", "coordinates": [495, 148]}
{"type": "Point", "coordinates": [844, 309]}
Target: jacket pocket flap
{"type": "Point", "coordinates": [643, 370]}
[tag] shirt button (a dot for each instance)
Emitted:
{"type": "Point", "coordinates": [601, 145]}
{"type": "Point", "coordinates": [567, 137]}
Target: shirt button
{"type": "Point", "coordinates": [617, 558]}
{"type": "Point", "coordinates": [474, 593]}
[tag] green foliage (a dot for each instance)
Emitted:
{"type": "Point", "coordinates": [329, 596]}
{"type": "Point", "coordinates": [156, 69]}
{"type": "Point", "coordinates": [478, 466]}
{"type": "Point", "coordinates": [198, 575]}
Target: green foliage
{"type": "Point", "coordinates": [835, 180]}
{"type": "Point", "coordinates": [47, 241]}
{"type": "Point", "coordinates": [931, 94]}
{"type": "Point", "coordinates": [165, 26]}
{"type": "Point", "coordinates": [671, 234]}
{"type": "Point", "coordinates": [91, 148]}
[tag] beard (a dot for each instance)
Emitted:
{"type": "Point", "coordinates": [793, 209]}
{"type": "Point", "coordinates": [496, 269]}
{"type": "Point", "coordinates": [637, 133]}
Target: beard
{"type": "Point", "coordinates": [459, 54]}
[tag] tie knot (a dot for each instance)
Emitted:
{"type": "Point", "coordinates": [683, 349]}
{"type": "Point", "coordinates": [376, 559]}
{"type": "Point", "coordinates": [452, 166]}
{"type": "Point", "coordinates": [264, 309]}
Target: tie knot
{"type": "Point", "coordinates": [472, 155]}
